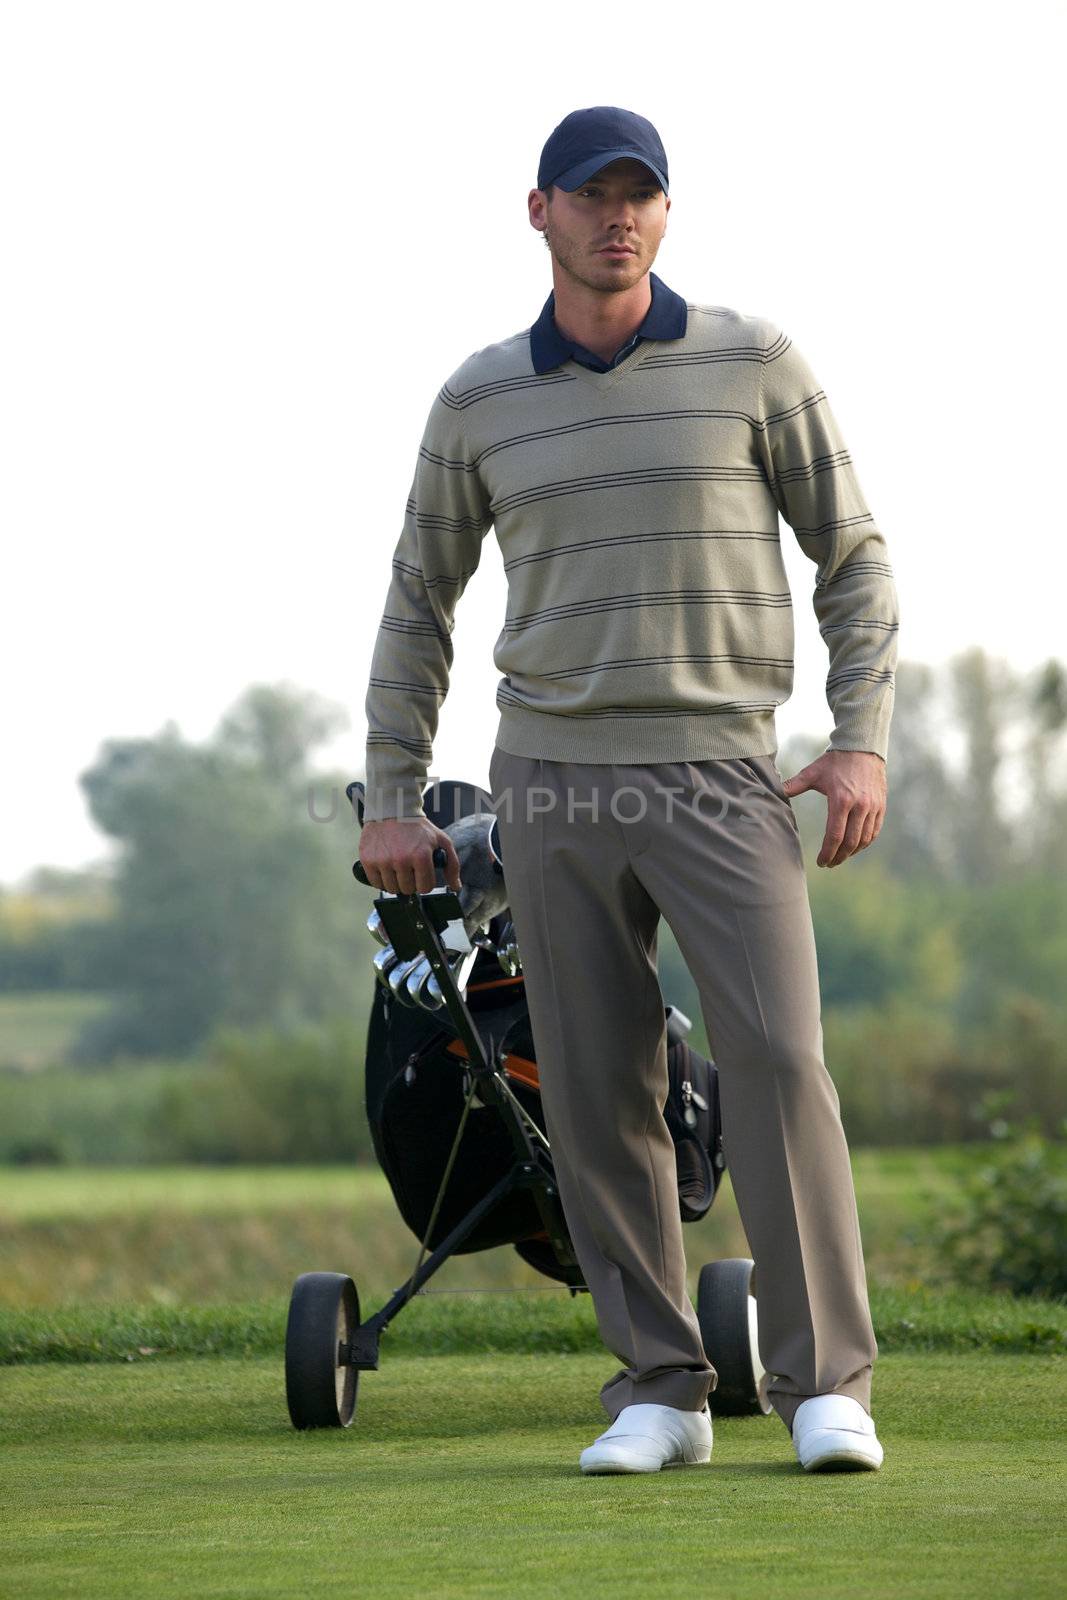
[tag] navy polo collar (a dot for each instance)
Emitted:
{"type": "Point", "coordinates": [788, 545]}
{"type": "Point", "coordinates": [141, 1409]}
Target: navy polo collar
{"type": "Point", "coordinates": [666, 319]}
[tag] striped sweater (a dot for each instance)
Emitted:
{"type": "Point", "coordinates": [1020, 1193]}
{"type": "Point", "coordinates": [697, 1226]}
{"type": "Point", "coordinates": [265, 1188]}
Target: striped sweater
{"type": "Point", "coordinates": [649, 617]}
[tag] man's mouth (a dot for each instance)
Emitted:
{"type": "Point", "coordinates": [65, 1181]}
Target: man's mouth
{"type": "Point", "coordinates": [617, 250]}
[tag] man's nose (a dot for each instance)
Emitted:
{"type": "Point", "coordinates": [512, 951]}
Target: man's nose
{"type": "Point", "coordinates": [622, 217]}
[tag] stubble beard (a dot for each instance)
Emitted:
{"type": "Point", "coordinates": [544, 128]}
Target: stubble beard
{"type": "Point", "coordinates": [570, 261]}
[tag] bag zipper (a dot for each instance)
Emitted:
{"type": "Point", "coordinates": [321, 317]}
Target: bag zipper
{"type": "Point", "coordinates": [691, 1097]}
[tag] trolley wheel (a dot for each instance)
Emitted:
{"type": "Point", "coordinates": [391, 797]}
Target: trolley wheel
{"type": "Point", "coordinates": [319, 1386]}
{"type": "Point", "coordinates": [726, 1312]}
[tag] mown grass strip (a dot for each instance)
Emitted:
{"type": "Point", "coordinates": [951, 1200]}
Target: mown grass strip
{"type": "Point", "coordinates": [459, 1480]}
{"type": "Point", "coordinates": [890, 1178]}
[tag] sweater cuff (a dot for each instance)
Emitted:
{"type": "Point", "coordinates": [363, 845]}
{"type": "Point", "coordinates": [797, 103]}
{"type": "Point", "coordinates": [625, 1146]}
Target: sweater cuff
{"type": "Point", "coordinates": [392, 802]}
{"type": "Point", "coordinates": [859, 749]}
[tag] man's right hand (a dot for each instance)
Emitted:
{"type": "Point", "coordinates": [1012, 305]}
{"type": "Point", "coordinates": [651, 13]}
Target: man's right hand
{"type": "Point", "coordinates": [397, 855]}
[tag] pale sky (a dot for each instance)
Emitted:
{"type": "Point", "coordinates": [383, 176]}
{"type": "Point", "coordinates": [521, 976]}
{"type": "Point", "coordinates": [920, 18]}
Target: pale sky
{"type": "Point", "coordinates": [245, 244]}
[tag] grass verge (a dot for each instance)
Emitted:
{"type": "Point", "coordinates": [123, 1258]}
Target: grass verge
{"type": "Point", "coordinates": [193, 1235]}
{"type": "Point", "coordinates": [921, 1320]}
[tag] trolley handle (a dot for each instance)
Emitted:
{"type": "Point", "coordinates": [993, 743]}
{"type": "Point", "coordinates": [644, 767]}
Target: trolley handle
{"type": "Point", "coordinates": [440, 861]}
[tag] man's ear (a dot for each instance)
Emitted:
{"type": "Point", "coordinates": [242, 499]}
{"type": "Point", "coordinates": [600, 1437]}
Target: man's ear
{"type": "Point", "coordinates": [529, 203]}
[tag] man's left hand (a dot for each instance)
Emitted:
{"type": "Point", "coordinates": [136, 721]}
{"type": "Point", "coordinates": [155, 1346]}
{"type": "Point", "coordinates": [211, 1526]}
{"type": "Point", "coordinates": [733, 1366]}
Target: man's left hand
{"type": "Point", "coordinates": [854, 783]}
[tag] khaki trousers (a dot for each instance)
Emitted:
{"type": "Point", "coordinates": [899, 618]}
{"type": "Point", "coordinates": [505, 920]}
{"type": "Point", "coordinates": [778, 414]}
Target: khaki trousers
{"type": "Point", "coordinates": [593, 855]}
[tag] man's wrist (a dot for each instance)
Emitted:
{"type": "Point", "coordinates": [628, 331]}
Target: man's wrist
{"type": "Point", "coordinates": [844, 750]}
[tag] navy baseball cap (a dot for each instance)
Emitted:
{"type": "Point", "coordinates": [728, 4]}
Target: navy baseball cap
{"type": "Point", "coordinates": [587, 140]}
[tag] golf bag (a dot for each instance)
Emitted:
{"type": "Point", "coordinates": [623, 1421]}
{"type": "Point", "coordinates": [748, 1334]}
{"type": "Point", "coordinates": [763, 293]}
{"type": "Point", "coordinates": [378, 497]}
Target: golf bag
{"type": "Point", "coordinates": [416, 1089]}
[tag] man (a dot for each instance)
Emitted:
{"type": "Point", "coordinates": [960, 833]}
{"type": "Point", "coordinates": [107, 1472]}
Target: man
{"type": "Point", "coordinates": [633, 451]}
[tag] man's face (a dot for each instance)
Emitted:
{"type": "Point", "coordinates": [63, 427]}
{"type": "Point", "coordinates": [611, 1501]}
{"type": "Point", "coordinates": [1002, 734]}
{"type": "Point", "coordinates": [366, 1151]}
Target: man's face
{"type": "Point", "coordinates": [621, 205]}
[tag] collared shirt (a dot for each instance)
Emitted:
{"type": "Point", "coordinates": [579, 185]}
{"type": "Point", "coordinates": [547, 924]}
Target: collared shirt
{"type": "Point", "coordinates": [549, 347]}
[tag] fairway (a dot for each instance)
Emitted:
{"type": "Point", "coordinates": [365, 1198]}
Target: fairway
{"type": "Point", "coordinates": [459, 1478]}
{"type": "Point", "coordinates": [147, 1450]}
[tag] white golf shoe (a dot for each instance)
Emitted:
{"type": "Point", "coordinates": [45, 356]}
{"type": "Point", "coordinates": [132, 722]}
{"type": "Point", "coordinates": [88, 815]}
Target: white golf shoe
{"type": "Point", "coordinates": [647, 1437]}
{"type": "Point", "coordinates": [834, 1432]}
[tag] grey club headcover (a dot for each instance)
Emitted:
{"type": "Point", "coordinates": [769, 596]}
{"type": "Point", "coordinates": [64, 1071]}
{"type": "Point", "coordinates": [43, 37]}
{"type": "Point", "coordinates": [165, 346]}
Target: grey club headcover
{"type": "Point", "coordinates": [483, 894]}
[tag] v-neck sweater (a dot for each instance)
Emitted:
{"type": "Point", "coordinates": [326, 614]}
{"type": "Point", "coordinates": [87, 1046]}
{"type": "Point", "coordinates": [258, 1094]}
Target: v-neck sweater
{"type": "Point", "coordinates": [649, 616]}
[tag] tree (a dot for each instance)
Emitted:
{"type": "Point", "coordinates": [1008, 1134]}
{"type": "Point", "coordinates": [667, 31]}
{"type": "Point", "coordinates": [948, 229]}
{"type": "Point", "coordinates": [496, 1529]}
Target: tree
{"type": "Point", "coordinates": [977, 790]}
{"type": "Point", "coordinates": [984, 692]}
{"type": "Point", "coordinates": [232, 905]}
{"type": "Point", "coordinates": [1045, 698]}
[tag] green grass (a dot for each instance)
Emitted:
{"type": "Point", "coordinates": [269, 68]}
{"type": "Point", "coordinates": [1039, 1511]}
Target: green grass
{"type": "Point", "coordinates": [459, 1479]}
{"type": "Point", "coordinates": [181, 1235]}
{"type": "Point", "coordinates": [131, 1469]}
{"type": "Point", "coordinates": [37, 1030]}
{"type": "Point", "coordinates": [548, 1319]}
{"type": "Point", "coordinates": [892, 1180]}
{"type": "Point", "coordinates": [98, 1192]}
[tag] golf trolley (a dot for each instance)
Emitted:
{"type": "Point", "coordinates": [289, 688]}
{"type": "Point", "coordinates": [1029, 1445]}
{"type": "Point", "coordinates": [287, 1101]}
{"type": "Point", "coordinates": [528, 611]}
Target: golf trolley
{"type": "Point", "coordinates": [454, 1107]}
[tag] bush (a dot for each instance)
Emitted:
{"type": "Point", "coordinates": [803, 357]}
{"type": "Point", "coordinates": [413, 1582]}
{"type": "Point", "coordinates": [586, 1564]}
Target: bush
{"type": "Point", "coordinates": [1011, 1231]}
{"type": "Point", "coordinates": [61, 1115]}
{"type": "Point", "coordinates": [263, 1097]}
{"type": "Point", "coordinates": [907, 1075]}
{"type": "Point", "coordinates": [273, 1096]}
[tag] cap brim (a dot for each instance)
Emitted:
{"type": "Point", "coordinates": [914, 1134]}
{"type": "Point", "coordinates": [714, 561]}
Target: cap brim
{"type": "Point", "coordinates": [574, 177]}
